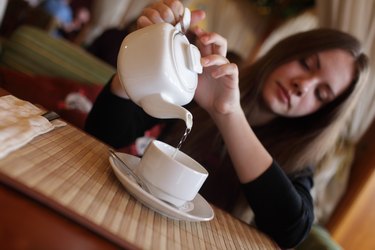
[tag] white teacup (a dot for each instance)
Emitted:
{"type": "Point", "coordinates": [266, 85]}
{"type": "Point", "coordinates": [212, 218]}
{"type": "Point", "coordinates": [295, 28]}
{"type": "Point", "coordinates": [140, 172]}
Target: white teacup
{"type": "Point", "coordinates": [175, 180]}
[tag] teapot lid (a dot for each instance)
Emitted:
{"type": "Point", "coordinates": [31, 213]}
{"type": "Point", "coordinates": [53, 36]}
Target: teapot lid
{"type": "Point", "coordinates": [186, 58]}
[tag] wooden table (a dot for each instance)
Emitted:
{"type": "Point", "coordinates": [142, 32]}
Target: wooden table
{"type": "Point", "coordinates": [59, 192]}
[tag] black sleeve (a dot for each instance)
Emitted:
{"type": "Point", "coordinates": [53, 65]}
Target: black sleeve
{"type": "Point", "coordinates": [282, 205]}
{"type": "Point", "coordinates": [107, 45]}
{"type": "Point", "coordinates": [117, 121]}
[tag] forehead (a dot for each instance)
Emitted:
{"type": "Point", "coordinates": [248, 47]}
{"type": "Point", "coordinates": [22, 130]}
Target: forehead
{"type": "Point", "coordinates": [337, 69]}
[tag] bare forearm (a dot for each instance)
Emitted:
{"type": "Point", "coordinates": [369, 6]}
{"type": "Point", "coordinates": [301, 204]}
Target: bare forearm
{"type": "Point", "coordinates": [248, 155]}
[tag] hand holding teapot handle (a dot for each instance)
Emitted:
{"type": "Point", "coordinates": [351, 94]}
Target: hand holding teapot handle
{"type": "Point", "coordinates": [217, 90]}
{"type": "Point", "coordinates": [169, 11]}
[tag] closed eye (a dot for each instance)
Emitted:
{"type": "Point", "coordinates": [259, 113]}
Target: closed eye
{"type": "Point", "coordinates": [324, 93]}
{"type": "Point", "coordinates": [303, 63]}
{"type": "Point", "coordinates": [310, 63]}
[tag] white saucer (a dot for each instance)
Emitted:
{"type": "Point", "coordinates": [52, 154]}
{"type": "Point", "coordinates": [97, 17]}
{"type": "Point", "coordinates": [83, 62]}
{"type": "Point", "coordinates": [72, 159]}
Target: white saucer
{"type": "Point", "coordinates": [201, 211]}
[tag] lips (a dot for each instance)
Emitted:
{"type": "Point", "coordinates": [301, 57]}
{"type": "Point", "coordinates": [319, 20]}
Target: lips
{"type": "Point", "coordinates": [283, 93]}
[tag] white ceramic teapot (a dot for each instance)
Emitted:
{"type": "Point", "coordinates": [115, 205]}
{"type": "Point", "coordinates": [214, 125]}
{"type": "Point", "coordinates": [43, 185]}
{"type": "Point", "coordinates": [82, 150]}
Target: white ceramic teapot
{"type": "Point", "coordinates": [158, 68]}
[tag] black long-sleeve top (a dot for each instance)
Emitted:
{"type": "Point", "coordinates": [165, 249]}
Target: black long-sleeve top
{"type": "Point", "coordinates": [282, 204]}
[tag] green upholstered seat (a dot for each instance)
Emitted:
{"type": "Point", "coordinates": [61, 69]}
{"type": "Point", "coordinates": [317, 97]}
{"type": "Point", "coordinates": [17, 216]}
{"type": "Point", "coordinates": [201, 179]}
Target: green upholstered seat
{"type": "Point", "coordinates": [33, 51]}
{"type": "Point", "coordinates": [319, 239]}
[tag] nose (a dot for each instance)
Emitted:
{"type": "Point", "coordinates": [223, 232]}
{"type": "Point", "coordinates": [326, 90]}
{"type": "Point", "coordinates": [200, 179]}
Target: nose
{"type": "Point", "coordinates": [301, 86]}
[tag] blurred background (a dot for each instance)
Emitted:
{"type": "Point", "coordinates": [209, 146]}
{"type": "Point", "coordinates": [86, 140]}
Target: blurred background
{"type": "Point", "coordinates": [50, 49]}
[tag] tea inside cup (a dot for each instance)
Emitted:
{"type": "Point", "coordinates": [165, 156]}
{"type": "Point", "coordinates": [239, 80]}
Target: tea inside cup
{"type": "Point", "coordinates": [175, 180]}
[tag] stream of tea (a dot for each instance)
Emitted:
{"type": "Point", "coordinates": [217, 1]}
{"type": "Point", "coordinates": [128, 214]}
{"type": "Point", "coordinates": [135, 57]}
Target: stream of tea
{"type": "Point", "coordinates": [183, 138]}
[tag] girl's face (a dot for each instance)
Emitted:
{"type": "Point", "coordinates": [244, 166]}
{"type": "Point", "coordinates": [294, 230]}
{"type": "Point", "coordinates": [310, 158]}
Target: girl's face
{"type": "Point", "coordinates": [301, 87]}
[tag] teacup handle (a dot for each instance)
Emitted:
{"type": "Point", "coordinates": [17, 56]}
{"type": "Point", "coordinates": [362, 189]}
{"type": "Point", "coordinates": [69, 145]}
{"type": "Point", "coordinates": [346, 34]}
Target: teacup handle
{"type": "Point", "coordinates": [184, 23]}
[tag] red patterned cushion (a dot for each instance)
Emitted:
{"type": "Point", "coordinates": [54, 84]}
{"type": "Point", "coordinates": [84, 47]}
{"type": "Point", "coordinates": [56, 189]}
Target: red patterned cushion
{"type": "Point", "coordinates": [49, 92]}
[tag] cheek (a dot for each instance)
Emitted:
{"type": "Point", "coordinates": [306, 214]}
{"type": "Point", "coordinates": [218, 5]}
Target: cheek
{"type": "Point", "coordinates": [268, 95]}
{"type": "Point", "coordinates": [266, 91]}
{"type": "Point", "coordinates": [269, 87]}
{"type": "Point", "coordinates": [306, 106]}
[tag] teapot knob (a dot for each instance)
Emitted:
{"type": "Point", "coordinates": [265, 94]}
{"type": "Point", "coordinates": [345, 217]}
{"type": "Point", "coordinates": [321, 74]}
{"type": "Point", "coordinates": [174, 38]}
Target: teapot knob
{"type": "Point", "coordinates": [184, 23]}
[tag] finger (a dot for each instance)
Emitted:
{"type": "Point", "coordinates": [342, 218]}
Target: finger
{"type": "Point", "coordinates": [197, 16]}
{"type": "Point", "coordinates": [218, 43]}
{"type": "Point", "coordinates": [198, 31]}
{"type": "Point", "coordinates": [143, 21]}
{"type": "Point", "coordinates": [176, 7]}
{"type": "Point", "coordinates": [167, 13]}
{"type": "Point", "coordinates": [229, 70]}
{"type": "Point", "coordinates": [224, 66]}
{"type": "Point", "coordinates": [154, 14]}
{"type": "Point", "coordinates": [205, 50]}
{"type": "Point", "coordinates": [213, 59]}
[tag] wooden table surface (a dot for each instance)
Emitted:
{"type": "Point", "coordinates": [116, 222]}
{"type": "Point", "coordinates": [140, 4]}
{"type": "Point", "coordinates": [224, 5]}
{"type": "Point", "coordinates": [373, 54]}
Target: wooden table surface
{"type": "Point", "coordinates": [59, 191]}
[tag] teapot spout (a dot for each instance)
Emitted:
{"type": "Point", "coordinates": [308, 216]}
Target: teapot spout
{"type": "Point", "coordinates": [157, 106]}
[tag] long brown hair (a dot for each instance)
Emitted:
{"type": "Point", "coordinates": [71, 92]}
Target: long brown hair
{"type": "Point", "coordinates": [293, 142]}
